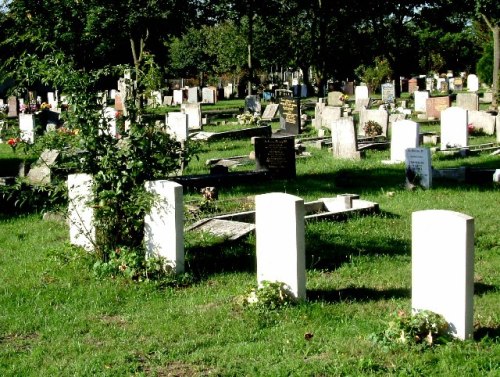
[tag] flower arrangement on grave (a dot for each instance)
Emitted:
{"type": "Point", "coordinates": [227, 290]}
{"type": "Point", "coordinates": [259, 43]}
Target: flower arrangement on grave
{"type": "Point", "coordinates": [344, 98]}
{"type": "Point", "coordinates": [248, 118]}
{"type": "Point", "coordinates": [473, 131]}
{"type": "Point", "coordinates": [45, 106]}
{"type": "Point", "coordinates": [372, 128]}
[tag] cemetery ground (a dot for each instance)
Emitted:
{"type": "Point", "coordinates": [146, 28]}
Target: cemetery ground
{"type": "Point", "coordinates": [58, 318]}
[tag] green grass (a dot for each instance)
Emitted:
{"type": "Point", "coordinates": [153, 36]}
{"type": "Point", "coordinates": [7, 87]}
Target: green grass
{"type": "Point", "coordinates": [57, 319]}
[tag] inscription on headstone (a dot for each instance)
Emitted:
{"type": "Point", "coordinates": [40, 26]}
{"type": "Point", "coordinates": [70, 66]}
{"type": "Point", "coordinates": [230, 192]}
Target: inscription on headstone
{"type": "Point", "coordinates": [276, 155]}
{"type": "Point", "coordinates": [418, 167]}
{"type": "Point", "coordinates": [388, 93]}
{"type": "Point", "coordinates": [290, 115]}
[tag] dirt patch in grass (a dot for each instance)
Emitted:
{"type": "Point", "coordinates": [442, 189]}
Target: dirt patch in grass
{"type": "Point", "coordinates": [19, 342]}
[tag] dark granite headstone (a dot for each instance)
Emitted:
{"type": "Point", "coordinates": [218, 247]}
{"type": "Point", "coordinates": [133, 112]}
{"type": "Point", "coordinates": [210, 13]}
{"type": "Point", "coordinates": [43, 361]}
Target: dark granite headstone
{"type": "Point", "coordinates": [289, 109]}
{"type": "Point", "coordinates": [252, 104]}
{"type": "Point", "coordinates": [276, 155]}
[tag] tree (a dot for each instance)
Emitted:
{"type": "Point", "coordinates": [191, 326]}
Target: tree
{"type": "Point", "coordinates": [490, 13]}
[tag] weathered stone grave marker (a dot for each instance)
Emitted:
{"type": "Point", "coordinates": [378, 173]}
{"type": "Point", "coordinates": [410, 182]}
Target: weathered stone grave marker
{"type": "Point", "coordinates": [164, 224]}
{"type": "Point", "coordinates": [344, 141]}
{"type": "Point", "coordinates": [80, 211]}
{"type": "Point", "coordinates": [420, 100]}
{"type": "Point", "coordinates": [252, 104]}
{"type": "Point", "coordinates": [270, 112]}
{"type": "Point", "coordinates": [435, 105]}
{"type": "Point", "coordinates": [361, 97]}
{"type": "Point", "coordinates": [209, 95]}
{"type": "Point", "coordinates": [13, 107]}
{"type": "Point", "coordinates": [443, 267]}
{"type": "Point", "coordinates": [27, 127]}
{"type": "Point", "coordinates": [279, 222]}
{"type": "Point", "coordinates": [418, 167]}
{"type": "Point", "coordinates": [335, 99]}
{"type": "Point", "coordinates": [192, 95]}
{"type": "Point", "coordinates": [388, 93]}
{"type": "Point", "coordinates": [193, 111]}
{"type": "Point", "coordinates": [177, 125]}
{"type": "Point", "coordinates": [375, 115]}
{"type": "Point", "coordinates": [472, 83]}
{"type": "Point", "coordinates": [483, 121]}
{"type": "Point", "coordinates": [468, 101]}
{"type": "Point", "coordinates": [40, 172]}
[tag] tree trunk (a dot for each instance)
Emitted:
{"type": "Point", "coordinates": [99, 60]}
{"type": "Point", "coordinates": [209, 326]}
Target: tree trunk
{"type": "Point", "coordinates": [250, 42]}
{"type": "Point", "coordinates": [496, 65]}
{"type": "Point", "coordinates": [496, 60]}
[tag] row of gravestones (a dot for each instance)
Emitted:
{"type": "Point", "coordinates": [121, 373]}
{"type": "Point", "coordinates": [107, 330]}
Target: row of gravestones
{"type": "Point", "coordinates": [442, 246]}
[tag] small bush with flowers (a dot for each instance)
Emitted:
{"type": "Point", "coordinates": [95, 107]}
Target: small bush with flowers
{"type": "Point", "coordinates": [248, 118]}
{"type": "Point", "coordinates": [372, 128]}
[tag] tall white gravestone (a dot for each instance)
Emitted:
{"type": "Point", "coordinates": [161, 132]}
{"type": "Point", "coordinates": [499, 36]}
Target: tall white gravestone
{"type": "Point", "coordinates": [344, 142]}
{"type": "Point", "coordinates": [279, 221]}
{"type": "Point", "coordinates": [420, 101]}
{"type": "Point", "coordinates": [443, 267]}
{"type": "Point", "coordinates": [404, 134]}
{"type": "Point", "coordinates": [177, 125]}
{"type": "Point", "coordinates": [80, 211]}
{"type": "Point", "coordinates": [164, 224]}
{"type": "Point", "coordinates": [27, 127]}
{"type": "Point", "coordinates": [454, 132]}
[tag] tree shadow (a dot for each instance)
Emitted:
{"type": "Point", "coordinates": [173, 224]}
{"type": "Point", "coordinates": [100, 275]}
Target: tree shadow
{"type": "Point", "coordinates": [359, 294]}
{"type": "Point", "coordinates": [487, 332]}
{"type": "Point", "coordinates": [481, 289]}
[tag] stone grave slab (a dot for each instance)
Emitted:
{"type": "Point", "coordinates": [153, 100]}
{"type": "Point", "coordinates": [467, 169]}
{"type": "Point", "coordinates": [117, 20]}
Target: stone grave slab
{"type": "Point", "coordinates": [472, 83]}
{"type": "Point", "coordinates": [167, 100]}
{"type": "Point", "coordinates": [418, 167]}
{"type": "Point", "coordinates": [405, 134]}
{"type": "Point", "coordinates": [334, 99]}
{"type": "Point", "coordinates": [318, 115]}
{"type": "Point", "coordinates": [164, 224]}
{"type": "Point", "coordinates": [468, 101]}
{"type": "Point", "coordinates": [280, 241]}
{"type": "Point", "coordinates": [483, 121]}
{"type": "Point", "coordinates": [270, 112]}
{"type": "Point", "coordinates": [39, 174]}
{"type": "Point", "coordinates": [80, 211]}
{"type": "Point", "coordinates": [13, 107]}
{"type": "Point", "coordinates": [443, 267]}
{"type": "Point", "coordinates": [27, 127]}
{"type": "Point", "coordinates": [228, 229]}
{"type": "Point", "coordinates": [454, 132]}
{"type": "Point", "coordinates": [420, 100]}
{"type": "Point", "coordinates": [435, 105]}
{"type": "Point", "coordinates": [344, 141]}
{"type": "Point", "coordinates": [276, 155]}
{"type": "Point", "coordinates": [289, 109]}
{"type": "Point", "coordinates": [376, 115]}
{"type": "Point", "coordinates": [193, 111]}
{"type": "Point", "coordinates": [388, 93]}
{"type": "Point", "coordinates": [177, 125]}
{"type": "Point", "coordinates": [330, 114]}
{"type": "Point", "coordinates": [192, 95]}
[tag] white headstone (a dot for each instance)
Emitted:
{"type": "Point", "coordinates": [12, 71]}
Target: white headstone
{"type": "Point", "coordinates": [468, 101]}
{"type": "Point", "coordinates": [164, 225]}
{"type": "Point", "coordinates": [404, 134]}
{"type": "Point", "coordinates": [27, 127]}
{"type": "Point", "coordinates": [361, 92]}
{"type": "Point", "coordinates": [110, 119]}
{"type": "Point", "coordinates": [344, 142]}
{"type": "Point", "coordinates": [443, 267]}
{"type": "Point", "coordinates": [80, 211]}
{"type": "Point", "coordinates": [329, 114]}
{"type": "Point", "coordinates": [177, 125]}
{"type": "Point", "coordinates": [335, 99]}
{"type": "Point", "coordinates": [483, 121]}
{"type": "Point", "coordinates": [472, 83]}
{"type": "Point", "coordinates": [376, 115]}
{"type": "Point", "coordinates": [279, 221]}
{"type": "Point", "coordinates": [193, 95]}
{"type": "Point", "coordinates": [419, 167]}
{"type": "Point", "coordinates": [454, 132]}
{"type": "Point", "coordinates": [208, 95]}
{"type": "Point", "coordinates": [51, 100]}
{"type": "Point", "coordinates": [498, 128]}
{"type": "Point", "coordinates": [178, 97]}
{"type": "Point", "coordinates": [270, 111]}
{"type": "Point", "coordinates": [420, 101]}
{"type": "Point", "coordinates": [318, 114]}
{"type": "Point", "coordinates": [193, 111]}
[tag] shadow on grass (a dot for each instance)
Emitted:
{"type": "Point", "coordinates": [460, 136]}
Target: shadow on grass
{"type": "Point", "coordinates": [230, 256]}
{"type": "Point", "coordinates": [492, 333]}
{"type": "Point", "coordinates": [360, 294]}
{"type": "Point", "coordinates": [482, 289]}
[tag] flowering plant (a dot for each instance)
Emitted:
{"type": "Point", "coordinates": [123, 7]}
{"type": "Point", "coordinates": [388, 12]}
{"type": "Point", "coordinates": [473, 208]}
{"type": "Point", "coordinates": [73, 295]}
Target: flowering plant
{"type": "Point", "coordinates": [372, 128]}
{"type": "Point", "coordinates": [343, 97]}
{"type": "Point", "coordinates": [45, 106]}
{"type": "Point", "coordinates": [248, 118]}
{"type": "Point", "coordinates": [14, 142]}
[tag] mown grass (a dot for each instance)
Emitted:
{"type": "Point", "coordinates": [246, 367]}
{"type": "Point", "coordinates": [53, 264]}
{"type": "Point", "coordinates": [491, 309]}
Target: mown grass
{"type": "Point", "coordinates": [58, 319]}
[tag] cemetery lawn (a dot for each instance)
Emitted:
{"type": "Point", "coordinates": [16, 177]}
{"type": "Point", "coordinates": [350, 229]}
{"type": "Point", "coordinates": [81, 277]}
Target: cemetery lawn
{"type": "Point", "coordinates": [58, 319]}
